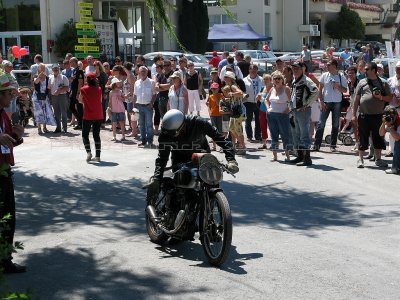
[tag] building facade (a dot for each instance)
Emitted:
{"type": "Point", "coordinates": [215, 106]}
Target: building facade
{"type": "Point", "coordinates": [35, 23]}
{"type": "Point", "coordinates": [291, 23]}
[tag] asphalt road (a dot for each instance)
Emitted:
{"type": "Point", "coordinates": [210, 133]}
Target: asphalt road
{"type": "Point", "coordinates": [329, 231]}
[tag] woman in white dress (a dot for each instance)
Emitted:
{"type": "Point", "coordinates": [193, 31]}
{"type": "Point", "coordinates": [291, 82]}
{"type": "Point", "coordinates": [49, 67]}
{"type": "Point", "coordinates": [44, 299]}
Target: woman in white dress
{"type": "Point", "coordinates": [178, 94]}
{"type": "Point", "coordinates": [42, 110]}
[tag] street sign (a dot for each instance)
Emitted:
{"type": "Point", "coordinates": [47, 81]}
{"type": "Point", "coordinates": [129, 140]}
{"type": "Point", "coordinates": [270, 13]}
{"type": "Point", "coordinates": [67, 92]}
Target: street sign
{"type": "Point", "coordinates": [86, 48]}
{"type": "Point", "coordinates": [86, 19]}
{"type": "Point", "coordinates": [85, 4]}
{"type": "Point", "coordinates": [85, 26]}
{"type": "Point", "coordinates": [84, 55]}
{"type": "Point", "coordinates": [86, 12]}
{"type": "Point", "coordinates": [86, 32]}
{"type": "Point", "coordinates": [86, 41]}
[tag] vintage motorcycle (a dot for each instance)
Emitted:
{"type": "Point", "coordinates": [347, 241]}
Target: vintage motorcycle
{"type": "Point", "coordinates": [191, 200]}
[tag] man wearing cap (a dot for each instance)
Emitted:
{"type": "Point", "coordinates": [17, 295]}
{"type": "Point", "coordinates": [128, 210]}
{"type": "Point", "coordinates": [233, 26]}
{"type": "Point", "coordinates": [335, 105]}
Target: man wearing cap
{"type": "Point", "coordinates": [304, 94]}
{"type": "Point", "coordinates": [214, 61]}
{"type": "Point", "coordinates": [253, 84]}
{"type": "Point", "coordinates": [10, 136]}
{"type": "Point", "coordinates": [306, 57]}
{"type": "Point", "coordinates": [58, 86]}
{"type": "Point", "coordinates": [143, 99]}
{"type": "Point", "coordinates": [331, 88]}
{"type": "Point", "coordinates": [8, 67]}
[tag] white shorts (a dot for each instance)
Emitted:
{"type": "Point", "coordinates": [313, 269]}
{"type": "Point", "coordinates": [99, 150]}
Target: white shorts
{"type": "Point", "coordinates": [315, 112]}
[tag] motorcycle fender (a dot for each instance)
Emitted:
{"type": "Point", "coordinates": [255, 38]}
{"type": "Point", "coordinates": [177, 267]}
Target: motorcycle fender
{"type": "Point", "coordinates": [215, 190]}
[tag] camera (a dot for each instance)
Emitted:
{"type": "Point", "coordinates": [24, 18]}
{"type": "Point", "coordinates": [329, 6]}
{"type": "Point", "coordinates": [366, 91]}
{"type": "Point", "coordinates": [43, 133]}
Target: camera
{"type": "Point", "coordinates": [388, 117]}
{"type": "Point", "coordinates": [376, 91]}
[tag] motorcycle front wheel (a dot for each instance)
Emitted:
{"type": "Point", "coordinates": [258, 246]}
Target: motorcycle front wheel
{"type": "Point", "coordinates": [217, 230]}
{"type": "Point", "coordinates": [157, 235]}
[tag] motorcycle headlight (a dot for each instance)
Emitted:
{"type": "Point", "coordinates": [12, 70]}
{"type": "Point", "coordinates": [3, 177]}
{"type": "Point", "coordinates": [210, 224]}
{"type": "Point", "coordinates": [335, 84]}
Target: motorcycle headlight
{"type": "Point", "coordinates": [210, 173]}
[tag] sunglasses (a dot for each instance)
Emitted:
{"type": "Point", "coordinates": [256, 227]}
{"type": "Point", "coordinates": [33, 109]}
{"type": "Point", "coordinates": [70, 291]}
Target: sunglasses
{"type": "Point", "coordinates": [277, 79]}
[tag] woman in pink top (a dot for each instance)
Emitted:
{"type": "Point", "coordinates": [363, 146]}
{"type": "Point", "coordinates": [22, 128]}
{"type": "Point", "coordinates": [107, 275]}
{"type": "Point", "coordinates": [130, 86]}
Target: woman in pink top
{"type": "Point", "coordinates": [117, 108]}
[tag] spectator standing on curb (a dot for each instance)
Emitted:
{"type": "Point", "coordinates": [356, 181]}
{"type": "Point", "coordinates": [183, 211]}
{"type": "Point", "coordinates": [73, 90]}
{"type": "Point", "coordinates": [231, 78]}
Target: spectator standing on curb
{"type": "Point", "coordinates": [223, 61]}
{"type": "Point", "coordinates": [306, 57]}
{"type": "Point", "coordinates": [143, 99]}
{"type": "Point", "coordinates": [304, 93]}
{"type": "Point", "coordinates": [331, 88]}
{"type": "Point", "coordinates": [261, 97]}
{"type": "Point", "coordinates": [253, 83]}
{"type": "Point", "coordinates": [213, 109]}
{"type": "Point", "coordinates": [10, 137]}
{"type": "Point", "coordinates": [194, 83]}
{"type": "Point", "coordinates": [214, 61]}
{"type": "Point", "coordinates": [346, 59]}
{"type": "Point", "coordinates": [177, 94]}
{"type": "Point", "coordinates": [394, 83]}
{"type": "Point", "coordinates": [243, 65]}
{"type": "Point", "coordinates": [163, 84]}
{"type": "Point", "coordinates": [91, 99]}
{"type": "Point", "coordinates": [8, 67]}
{"type": "Point", "coordinates": [90, 67]}
{"type": "Point", "coordinates": [391, 124]}
{"type": "Point", "coordinates": [76, 84]}
{"type": "Point", "coordinates": [58, 85]}
{"type": "Point", "coordinates": [371, 95]}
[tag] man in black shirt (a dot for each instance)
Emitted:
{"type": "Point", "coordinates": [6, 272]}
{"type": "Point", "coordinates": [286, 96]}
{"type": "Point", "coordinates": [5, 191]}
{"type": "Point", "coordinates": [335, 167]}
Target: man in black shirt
{"type": "Point", "coordinates": [76, 84]}
{"type": "Point", "coordinates": [242, 64]}
{"type": "Point", "coordinates": [162, 86]}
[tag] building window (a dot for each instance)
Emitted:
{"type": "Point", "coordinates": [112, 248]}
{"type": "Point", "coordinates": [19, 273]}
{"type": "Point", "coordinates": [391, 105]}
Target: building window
{"type": "Point", "coordinates": [266, 2]}
{"type": "Point", "coordinates": [221, 19]}
{"type": "Point", "coordinates": [267, 31]}
{"type": "Point", "coordinates": [20, 15]}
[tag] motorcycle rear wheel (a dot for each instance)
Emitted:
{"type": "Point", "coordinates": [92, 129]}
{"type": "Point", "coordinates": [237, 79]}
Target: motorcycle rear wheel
{"type": "Point", "coordinates": [157, 235]}
{"type": "Point", "coordinates": [217, 230]}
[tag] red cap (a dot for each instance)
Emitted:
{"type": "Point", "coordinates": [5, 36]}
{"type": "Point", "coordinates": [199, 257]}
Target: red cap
{"type": "Point", "coordinates": [214, 85]}
{"type": "Point", "coordinates": [91, 75]}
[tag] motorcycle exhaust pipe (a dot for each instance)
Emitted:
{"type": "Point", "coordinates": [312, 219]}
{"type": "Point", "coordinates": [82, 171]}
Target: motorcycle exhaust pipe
{"type": "Point", "coordinates": [151, 213]}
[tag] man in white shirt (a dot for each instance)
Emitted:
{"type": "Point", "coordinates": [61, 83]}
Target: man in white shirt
{"type": "Point", "coordinates": [331, 88]}
{"type": "Point", "coordinates": [253, 84]}
{"type": "Point", "coordinates": [306, 57]}
{"type": "Point", "coordinates": [143, 99]}
{"type": "Point", "coordinates": [90, 67]}
{"type": "Point", "coordinates": [58, 86]}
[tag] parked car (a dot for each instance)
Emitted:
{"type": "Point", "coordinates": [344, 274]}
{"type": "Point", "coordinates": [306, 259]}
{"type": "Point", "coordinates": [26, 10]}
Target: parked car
{"type": "Point", "coordinates": [200, 61]}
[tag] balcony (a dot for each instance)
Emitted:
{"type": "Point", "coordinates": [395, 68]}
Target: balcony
{"type": "Point", "coordinates": [367, 12]}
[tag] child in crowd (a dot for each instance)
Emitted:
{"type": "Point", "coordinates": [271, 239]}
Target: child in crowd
{"type": "Point", "coordinates": [134, 122]}
{"type": "Point", "coordinates": [24, 104]}
{"type": "Point", "coordinates": [213, 109]}
{"type": "Point", "coordinates": [117, 108]}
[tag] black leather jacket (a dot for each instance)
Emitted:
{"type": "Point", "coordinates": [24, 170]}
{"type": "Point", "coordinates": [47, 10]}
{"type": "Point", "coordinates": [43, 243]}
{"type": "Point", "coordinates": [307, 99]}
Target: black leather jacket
{"type": "Point", "coordinates": [192, 140]}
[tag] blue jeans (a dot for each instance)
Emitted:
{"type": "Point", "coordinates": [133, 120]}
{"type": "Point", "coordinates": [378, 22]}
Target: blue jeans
{"type": "Point", "coordinates": [146, 123]}
{"type": "Point", "coordinates": [279, 125]}
{"type": "Point", "coordinates": [333, 107]}
{"type": "Point", "coordinates": [302, 128]}
{"type": "Point", "coordinates": [252, 110]}
{"type": "Point", "coordinates": [396, 155]}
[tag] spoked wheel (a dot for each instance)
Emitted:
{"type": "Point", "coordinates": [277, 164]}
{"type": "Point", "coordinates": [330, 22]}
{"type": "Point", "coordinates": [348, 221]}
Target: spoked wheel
{"type": "Point", "coordinates": [217, 235]}
{"type": "Point", "coordinates": [156, 234]}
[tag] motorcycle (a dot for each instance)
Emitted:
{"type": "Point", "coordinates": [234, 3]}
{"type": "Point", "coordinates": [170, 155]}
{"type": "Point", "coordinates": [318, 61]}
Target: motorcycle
{"type": "Point", "coordinates": [191, 200]}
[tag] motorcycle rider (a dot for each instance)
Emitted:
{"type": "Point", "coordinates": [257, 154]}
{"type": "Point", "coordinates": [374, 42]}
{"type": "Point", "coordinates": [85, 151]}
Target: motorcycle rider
{"type": "Point", "coordinates": [181, 136]}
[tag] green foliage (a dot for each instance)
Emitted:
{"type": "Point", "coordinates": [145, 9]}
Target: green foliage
{"type": "Point", "coordinates": [193, 26]}
{"type": "Point", "coordinates": [66, 40]}
{"type": "Point", "coordinates": [5, 250]}
{"type": "Point", "coordinates": [348, 25]}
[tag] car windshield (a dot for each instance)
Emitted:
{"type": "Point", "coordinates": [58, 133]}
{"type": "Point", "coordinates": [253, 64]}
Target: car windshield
{"type": "Point", "coordinates": [253, 54]}
{"type": "Point", "coordinates": [197, 58]}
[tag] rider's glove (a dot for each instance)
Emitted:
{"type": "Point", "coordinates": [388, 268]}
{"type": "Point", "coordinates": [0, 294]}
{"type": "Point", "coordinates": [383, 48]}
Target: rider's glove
{"type": "Point", "coordinates": [233, 166]}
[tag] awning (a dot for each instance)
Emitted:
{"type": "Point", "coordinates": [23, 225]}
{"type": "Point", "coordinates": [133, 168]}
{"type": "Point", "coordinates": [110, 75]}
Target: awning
{"type": "Point", "coordinates": [234, 33]}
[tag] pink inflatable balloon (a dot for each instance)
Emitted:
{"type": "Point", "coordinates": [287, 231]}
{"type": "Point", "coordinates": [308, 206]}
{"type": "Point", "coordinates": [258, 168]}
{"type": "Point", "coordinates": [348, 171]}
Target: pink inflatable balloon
{"type": "Point", "coordinates": [23, 51]}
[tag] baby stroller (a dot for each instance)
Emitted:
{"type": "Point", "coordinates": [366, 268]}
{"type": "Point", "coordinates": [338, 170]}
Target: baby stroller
{"type": "Point", "coordinates": [345, 136]}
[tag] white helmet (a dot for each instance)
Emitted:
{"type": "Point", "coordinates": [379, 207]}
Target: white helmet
{"type": "Point", "coordinates": [173, 121]}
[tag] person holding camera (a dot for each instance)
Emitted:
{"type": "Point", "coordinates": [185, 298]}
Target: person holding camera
{"type": "Point", "coordinates": [58, 86]}
{"type": "Point", "coordinates": [391, 124]}
{"type": "Point", "coordinates": [371, 95]}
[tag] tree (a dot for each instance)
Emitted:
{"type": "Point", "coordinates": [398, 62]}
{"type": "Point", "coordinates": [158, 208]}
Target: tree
{"type": "Point", "coordinates": [348, 25]}
{"type": "Point", "coordinates": [66, 40]}
{"type": "Point", "coordinates": [193, 26]}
